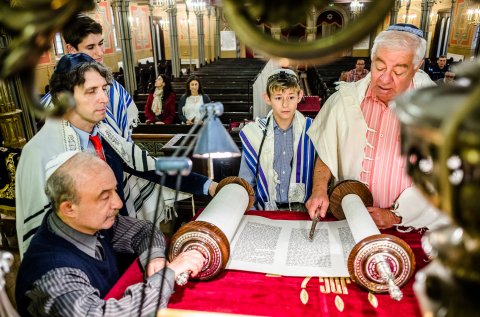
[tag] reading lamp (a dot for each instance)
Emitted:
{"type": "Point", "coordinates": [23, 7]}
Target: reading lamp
{"type": "Point", "coordinates": [210, 138]}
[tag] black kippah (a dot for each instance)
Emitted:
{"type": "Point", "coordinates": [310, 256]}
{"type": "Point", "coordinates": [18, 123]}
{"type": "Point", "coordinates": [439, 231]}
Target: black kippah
{"type": "Point", "coordinates": [70, 61]}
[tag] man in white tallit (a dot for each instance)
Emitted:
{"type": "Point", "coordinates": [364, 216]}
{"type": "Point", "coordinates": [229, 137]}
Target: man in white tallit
{"type": "Point", "coordinates": [278, 156]}
{"type": "Point", "coordinates": [357, 135]}
{"type": "Point", "coordinates": [81, 128]}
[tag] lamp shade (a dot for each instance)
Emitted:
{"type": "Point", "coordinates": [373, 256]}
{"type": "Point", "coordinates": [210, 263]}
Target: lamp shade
{"type": "Point", "coordinates": [214, 141]}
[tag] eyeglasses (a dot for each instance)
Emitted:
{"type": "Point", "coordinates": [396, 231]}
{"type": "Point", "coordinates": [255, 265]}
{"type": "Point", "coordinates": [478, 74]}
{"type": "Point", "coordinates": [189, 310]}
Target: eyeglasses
{"type": "Point", "coordinates": [450, 77]}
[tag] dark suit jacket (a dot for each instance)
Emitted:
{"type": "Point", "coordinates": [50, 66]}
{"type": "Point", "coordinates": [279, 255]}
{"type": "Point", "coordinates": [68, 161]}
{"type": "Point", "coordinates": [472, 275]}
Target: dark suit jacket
{"type": "Point", "coordinates": [192, 183]}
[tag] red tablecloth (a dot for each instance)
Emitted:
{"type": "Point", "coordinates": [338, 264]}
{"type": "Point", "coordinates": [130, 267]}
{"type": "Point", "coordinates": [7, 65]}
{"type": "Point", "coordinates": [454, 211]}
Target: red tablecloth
{"type": "Point", "coordinates": [310, 105]}
{"type": "Point", "coordinates": [257, 294]}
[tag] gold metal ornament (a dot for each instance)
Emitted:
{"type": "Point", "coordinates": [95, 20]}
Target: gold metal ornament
{"type": "Point", "coordinates": [372, 299]}
{"type": "Point", "coordinates": [339, 303]}
{"type": "Point", "coordinates": [305, 281]}
{"type": "Point", "coordinates": [304, 296]}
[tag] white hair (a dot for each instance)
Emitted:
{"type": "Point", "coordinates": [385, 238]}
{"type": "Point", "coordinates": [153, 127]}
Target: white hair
{"type": "Point", "coordinates": [401, 40]}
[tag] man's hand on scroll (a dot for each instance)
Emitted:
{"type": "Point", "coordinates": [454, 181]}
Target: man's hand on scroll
{"type": "Point", "coordinates": [212, 188]}
{"type": "Point", "coordinates": [189, 261]}
{"type": "Point", "coordinates": [383, 217]}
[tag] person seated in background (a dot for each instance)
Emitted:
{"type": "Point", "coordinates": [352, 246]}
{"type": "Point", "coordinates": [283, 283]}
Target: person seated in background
{"type": "Point", "coordinates": [438, 70]}
{"type": "Point", "coordinates": [160, 107]}
{"type": "Point", "coordinates": [449, 79]}
{"type": "Point", "coordinates": [343, 76]}
{"type": "Point", "coordinates": [190, 102]}
{"type": "Point", "coordinates": [71, 263]}
{"type": "Point", "coordinates": [278, 156]}
{"type": "Point", "coordinates": [82, 128]}
{"type": "Point", "coordinates": [358, 72]}
{"type": "Point", "coordinates": [357, 134]}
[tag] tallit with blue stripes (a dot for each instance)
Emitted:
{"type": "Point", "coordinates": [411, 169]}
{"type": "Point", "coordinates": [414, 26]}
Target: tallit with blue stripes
{"type": "Point", "coordinates": [302, 166]}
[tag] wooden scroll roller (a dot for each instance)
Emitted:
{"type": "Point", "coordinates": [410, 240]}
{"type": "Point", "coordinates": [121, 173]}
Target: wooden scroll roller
{"type": "Point", "coordinates": [378, 262]}
{"type": "Point", "coordinates": [213, 230]}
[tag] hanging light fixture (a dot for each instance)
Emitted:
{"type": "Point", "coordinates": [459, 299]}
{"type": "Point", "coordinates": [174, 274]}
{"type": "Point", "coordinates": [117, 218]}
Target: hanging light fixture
{"type": "Point", "coordinates": [356, 8]}
{"type": "Point", "coordinates": [473, 16]}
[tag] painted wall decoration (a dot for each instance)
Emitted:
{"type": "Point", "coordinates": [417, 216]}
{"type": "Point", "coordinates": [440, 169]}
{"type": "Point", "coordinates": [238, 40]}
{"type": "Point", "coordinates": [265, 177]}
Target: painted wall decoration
{"type": "Point", "coordinates": [184, 25]}
{"type": "Point", "coordinates": [103, 16]}
{"type": "Point", "coordinates": [140, 27]}
{"type": "Point", "coordinates": [461, 32]}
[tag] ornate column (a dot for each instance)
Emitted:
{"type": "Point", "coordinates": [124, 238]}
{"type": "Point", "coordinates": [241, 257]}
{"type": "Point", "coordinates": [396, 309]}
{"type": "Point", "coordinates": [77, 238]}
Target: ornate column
{"type": "Point", "coordinates": [201, 39]}
{"type": "Point", "coordinates": [216, 40]}
{"type": "Point", "coordinates": [198, 7]}
{"type": "Point", "coordinates": [394, 12]}
{"type": "Point", "coordinates": [407, 9]}
{"type": "Point", "coordinates": [425, 18]}
{"type": "Point", "coordinates": [175, 51]}
{"type": "Point", "coordinates": [12, 93]}
{"type": "Point", "coordinates": [209, 14]}
{"type": "Point", "coordinates": [276, 31]}
{"type": "Point", "coordinates": [121, 13]}
{"type": "Point", "coordinates": [189, 38]}
{"type": "Point", "coordinates": [311, 29]}
{"type": "Point", "coordinates": [452, 7]}
{"type": "Point", "coordinates": [153, 31]}
{"type": "Point", "coordinates": [170, 6]}
{"type": "Point", "coordinates": [10, 119]}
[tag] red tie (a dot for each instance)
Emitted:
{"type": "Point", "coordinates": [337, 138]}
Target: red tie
{"type": "Point", "coordinates": [97, 144]}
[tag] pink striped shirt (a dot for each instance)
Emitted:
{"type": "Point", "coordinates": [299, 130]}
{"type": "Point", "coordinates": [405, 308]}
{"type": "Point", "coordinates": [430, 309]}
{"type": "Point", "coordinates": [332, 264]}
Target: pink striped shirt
{"type": "Point", "coordinates": [383, 168]}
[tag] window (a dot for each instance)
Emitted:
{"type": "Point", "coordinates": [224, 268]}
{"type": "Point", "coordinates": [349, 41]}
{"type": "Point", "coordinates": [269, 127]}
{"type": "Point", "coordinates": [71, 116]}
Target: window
{"type": "Point", "coordinates": [114, 31]}
{"type": "Point", "coordinates": [58, 45]}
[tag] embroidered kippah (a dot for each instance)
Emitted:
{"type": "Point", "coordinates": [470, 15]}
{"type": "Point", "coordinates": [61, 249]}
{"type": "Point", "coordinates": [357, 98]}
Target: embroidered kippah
{"type": "Point", "coordinates": [57, 161]}
{"type": "Point", "coordinates": [281, 74]}
{"type": "Point", "coordinates": [404, 27]}
{"type": "Point", "coordinates": [70, 61]}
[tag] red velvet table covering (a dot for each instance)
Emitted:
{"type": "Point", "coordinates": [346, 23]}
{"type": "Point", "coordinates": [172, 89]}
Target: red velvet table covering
{"type": "Point", "coordinates": [310, 105]}
{"type": "Point", "coordinates": [250, 293]}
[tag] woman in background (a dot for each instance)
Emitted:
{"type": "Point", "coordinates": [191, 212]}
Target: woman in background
{"type": "Point", "coordinates": [160, 106]}
{"type": "Point", "coordinates": [190, 102]}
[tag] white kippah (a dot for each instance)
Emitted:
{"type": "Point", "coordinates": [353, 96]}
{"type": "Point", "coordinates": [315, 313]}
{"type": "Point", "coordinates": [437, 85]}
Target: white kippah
{"type": "Point", "coordinates": [285, 70]}
{"type": "Point", "coordinates": [57, 161]}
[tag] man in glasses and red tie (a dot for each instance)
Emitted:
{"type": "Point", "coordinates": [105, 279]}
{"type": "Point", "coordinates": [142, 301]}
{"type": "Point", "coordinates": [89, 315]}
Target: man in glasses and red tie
{"type": "Point", "coordinates": [82, 128]}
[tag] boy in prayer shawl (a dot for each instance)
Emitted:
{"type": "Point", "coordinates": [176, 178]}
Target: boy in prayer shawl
{"type": "Point", "coordinates": [278, 156]}
{"type": "Point", "coordinates": [82, 128]}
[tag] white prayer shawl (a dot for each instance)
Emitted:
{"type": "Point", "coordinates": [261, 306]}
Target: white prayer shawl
{"type": "Point", "coordinates": [58, 136]}
{"type": "Point", "coordinates": [339, 136]}
{"type": "Point", "coordinates": [122, 113]}
{"type": "Point", "coordinates": [302, 166]}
